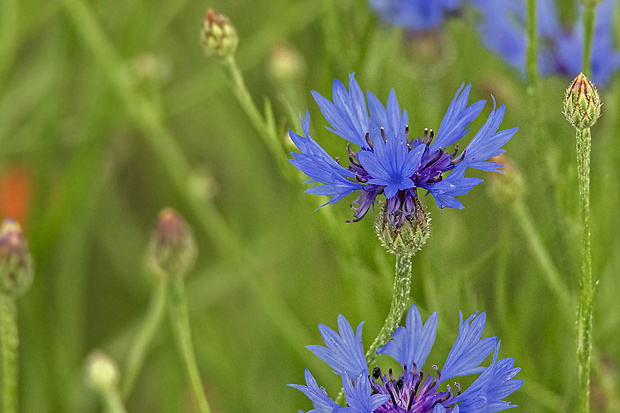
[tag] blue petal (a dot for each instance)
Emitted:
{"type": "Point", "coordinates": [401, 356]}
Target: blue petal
{"type": "Point", "coordinates": [488, 142]}
{"type": "Point", "coordinates": [321, 401]}
{"type": "Point", "coordinates": [457, 118]}
{"type": "Point", "coordinates": [344, 353]}
{"type": "Point", "coordinates": [487, 392]}
{"type": "Point", "coordinates": [446, 191]}
{"type": "Point", "coordinates": [468, 350]}
{"type": "Point", "coordinates": [413, 343]}
{"type": "Point", "coordinates": [359, 397]}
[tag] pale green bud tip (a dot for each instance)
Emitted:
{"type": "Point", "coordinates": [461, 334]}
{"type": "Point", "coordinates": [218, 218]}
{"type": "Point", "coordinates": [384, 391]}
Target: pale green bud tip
{"type": "Point", "coordinates": [582, 104]}
{"type": "Point", "coordinates": [507, 185]}
{"type": "Point", "coordinates": [101, 372]}
{"type": "Point", "coordinates": [173, 248]}
{"type": "Point", "coordinates": [16, 266]}
{"type": "Point", "coordinates": [407, 238]}
{"type": "Point", "coordinates": [218, 36]}
{"type": "Point", "coordinates": [286, 63]}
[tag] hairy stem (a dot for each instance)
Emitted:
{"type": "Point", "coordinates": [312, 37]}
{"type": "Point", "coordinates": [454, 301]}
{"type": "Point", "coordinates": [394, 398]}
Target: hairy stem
{"type": "Point", "coordinates": [402, 288]}
{"type": "Point", "coordinates": [532, 45]}
{"type": "Point", "coordinates": [152, 320]}
{"type": "Point", "coordinates": [180, 321]}
{"type": "Point", "coordinates": [9, 344]}
{"type": "Point", "coordinates": [586, 295]}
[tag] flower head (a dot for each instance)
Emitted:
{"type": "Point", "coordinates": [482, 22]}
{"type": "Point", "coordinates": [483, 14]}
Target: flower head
{"type": "Point", "coordinates": [503, 29]}
{"type": "Point", "coordinates": [414, 390]}
{"type": "Point", "coordinates": [582, 104]}
{"type": "Point", "coordinates": [384, 160]}
{"type": "Point", "coordinates": [415, 15]}
{"type": "Point", "coordinates": [16, 264]}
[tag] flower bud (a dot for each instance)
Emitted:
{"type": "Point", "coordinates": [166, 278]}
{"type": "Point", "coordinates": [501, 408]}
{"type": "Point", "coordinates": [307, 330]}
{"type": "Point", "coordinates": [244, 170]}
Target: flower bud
{"type": "Point", "coordinates": [582, 105]}
{"type": "Point", "coordinates": [218, 35]}
{"type": "Point", "coordinates": [16, 266]}
{"type": "Point", "coordinates": [407, 238]}
{"type": "Point", "coordinates": [173, 248]}
{"type": "Point", "coordinates": [101, 373]}
{"type": "Point", "coordinates": [507, 186]}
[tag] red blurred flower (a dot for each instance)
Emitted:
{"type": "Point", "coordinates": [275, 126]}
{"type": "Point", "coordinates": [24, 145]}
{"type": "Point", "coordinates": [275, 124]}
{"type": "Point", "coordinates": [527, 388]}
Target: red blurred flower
{"type": "Point", "coordinates": [16, 183]}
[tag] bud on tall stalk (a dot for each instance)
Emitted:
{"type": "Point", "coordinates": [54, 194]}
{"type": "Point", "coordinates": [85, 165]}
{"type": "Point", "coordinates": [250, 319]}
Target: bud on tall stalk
{"type": "Point", "coordinates": [582, 104]}
{"type": "Point", "coordinates": [173, 248]}
{"type": "Point", "coordinates": [218, 36]}
{"type": "Point", "coordinates": [16, 266]}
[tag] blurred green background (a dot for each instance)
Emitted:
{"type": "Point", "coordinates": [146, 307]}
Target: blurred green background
{"type": "Point", "coordinates": [91, 95]}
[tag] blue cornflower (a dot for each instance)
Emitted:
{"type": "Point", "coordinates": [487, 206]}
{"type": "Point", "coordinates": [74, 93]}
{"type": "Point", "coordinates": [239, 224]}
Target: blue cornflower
{"type": "Point", "coordinates": [415, 15]}
{"type": "Point", "coordinates": [503, 29]}
{"type": "Point", "coordinates": [413, 390]}
{"type": "Point", "coordinates": [388, 161]}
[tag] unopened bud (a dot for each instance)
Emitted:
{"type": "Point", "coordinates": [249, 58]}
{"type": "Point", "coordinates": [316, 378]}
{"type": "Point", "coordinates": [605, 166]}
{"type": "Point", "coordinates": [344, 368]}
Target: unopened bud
{"type": "Point", "coordinates": [173, 248]}
{"type": "Point", "coordinates": [582, 104]}
{"type": "Point", "coordinates": [16, 266]}
{"type": "Point", "coordinates": [101, 373]}
{"type": "Point", "coordinates": [407, 238]}
{"type": "Point", "coordinates": [218, 35]}
{"type": "Point", "coordinates": [507, 186]}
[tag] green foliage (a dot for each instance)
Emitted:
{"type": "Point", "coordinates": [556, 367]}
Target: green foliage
{"type": "Point", "coordinates": [115, 124]}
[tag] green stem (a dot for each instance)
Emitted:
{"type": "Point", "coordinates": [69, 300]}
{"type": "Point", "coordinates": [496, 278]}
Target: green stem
{"type": "Point", "coordinates": [112, 401]}
{"type": "Point", "coordinates": [265, 128]}
{"type": "Point", "coordinates": [531, 56]}
{"type": "Point", "coordinates": [9, 343]}
{"type": "Point", "coordinates": [541, 254]}
{"type": "Point", "coordinates": [180, 320]}
{"type": "Point", "coordinates": [589, 17]}
{"type": "Point", "coordinates": [586, 295]}
{"type": "Point", "coordinates": [400, 297]}
{"type": "Point", "coordinates": [152, 320]}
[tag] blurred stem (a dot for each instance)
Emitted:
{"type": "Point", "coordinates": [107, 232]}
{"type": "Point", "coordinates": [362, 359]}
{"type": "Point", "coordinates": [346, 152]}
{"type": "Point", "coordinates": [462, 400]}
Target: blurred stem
{"type": "Point", "coordinates": [402, 289]}
{"type": "Point", "coordinates": [586, 296]}
{"type": "Point", "coordinates": [152, 320]}
{"type": "Point", "coordinates": [265, 128]}
{"type": "Point", "coordinates": [589, 17]}
{"type": "Point", "coordinates": [9, 34]}
{"type": "Point", "coordinates": [112, 400]}
{"type": "Point", "coordinates": [540, 252]}
{"type": "Point", "coordinates": [532, 45]}
{"type": "Point", "coordinates": [9, 343]}
{"type": "Point", "coordinates": [180, 321]}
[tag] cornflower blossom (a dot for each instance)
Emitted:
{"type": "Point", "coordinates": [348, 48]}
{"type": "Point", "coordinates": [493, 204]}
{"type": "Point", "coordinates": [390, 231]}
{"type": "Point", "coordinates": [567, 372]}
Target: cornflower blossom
{"type": "Point", "coordinates": [415, 15]}
{"type": "Point", "coordinates": [388, 161]}
{"type": "Point", "coordinates": [414, 390]}
{"type": "Point", "coordinates": [503, 30]}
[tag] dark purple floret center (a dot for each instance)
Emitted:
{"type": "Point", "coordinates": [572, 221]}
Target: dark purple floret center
{"type": "Point", "coordinates": [413, 392]}
{"type": "Point", "coordinates": [402, 206]}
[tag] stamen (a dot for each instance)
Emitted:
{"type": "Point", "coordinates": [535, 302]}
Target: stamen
{"type": "Point", "coordinates": [435, 158]}
{"type": "Point", "coordinates": [360, 179]}
{"type": "Point", "coordinates": [376, 372]}
{"type": "Point", "coordinates": [383, 135]}
{"type": "Point", "coordinates": [456, 150]}
{"type": "Point", "coordinates": [399, 384]}
{"type": "Point", "coordinates": [369, 141]}
{"type": "Point", "coordinates": [459, 159]}
{"type": "Point", "coordinates": [353, 157]}
{"type": "Point", "coordinates": [407, 132]}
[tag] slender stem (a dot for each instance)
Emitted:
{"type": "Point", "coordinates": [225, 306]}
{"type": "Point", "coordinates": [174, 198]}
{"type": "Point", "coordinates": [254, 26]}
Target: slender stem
{"type": "Point", "coordinates": [402, 288]}
{"type": "Point", "coordinates": [265, 128]}
{"type": "Point", "coordinates": [589, 17]}
{"type": "Point", "coordinates": [113, 401]}
{"type": "Point", "coordinates": [531, 56]}
{"type": "Point", "coordinates": [541, 254]}
{"type": "Point", "coordinates": [152, 320]}
{"type": "Point", "coordinates": [9, 343]}
{"type": "Point", "coordinates": [180, 320]}
{"type": "Point", "coordinates": [586, 295]}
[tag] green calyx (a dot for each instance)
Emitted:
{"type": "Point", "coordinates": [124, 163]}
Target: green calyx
{"type": "Point", "coordinates": [218, 36]}
{"type": "Point", "coordinates": [16, 265]}
{"type": "Point", "coordinates": [408, 238]}
{"type": "Point", "coordinates": [582, 104]}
